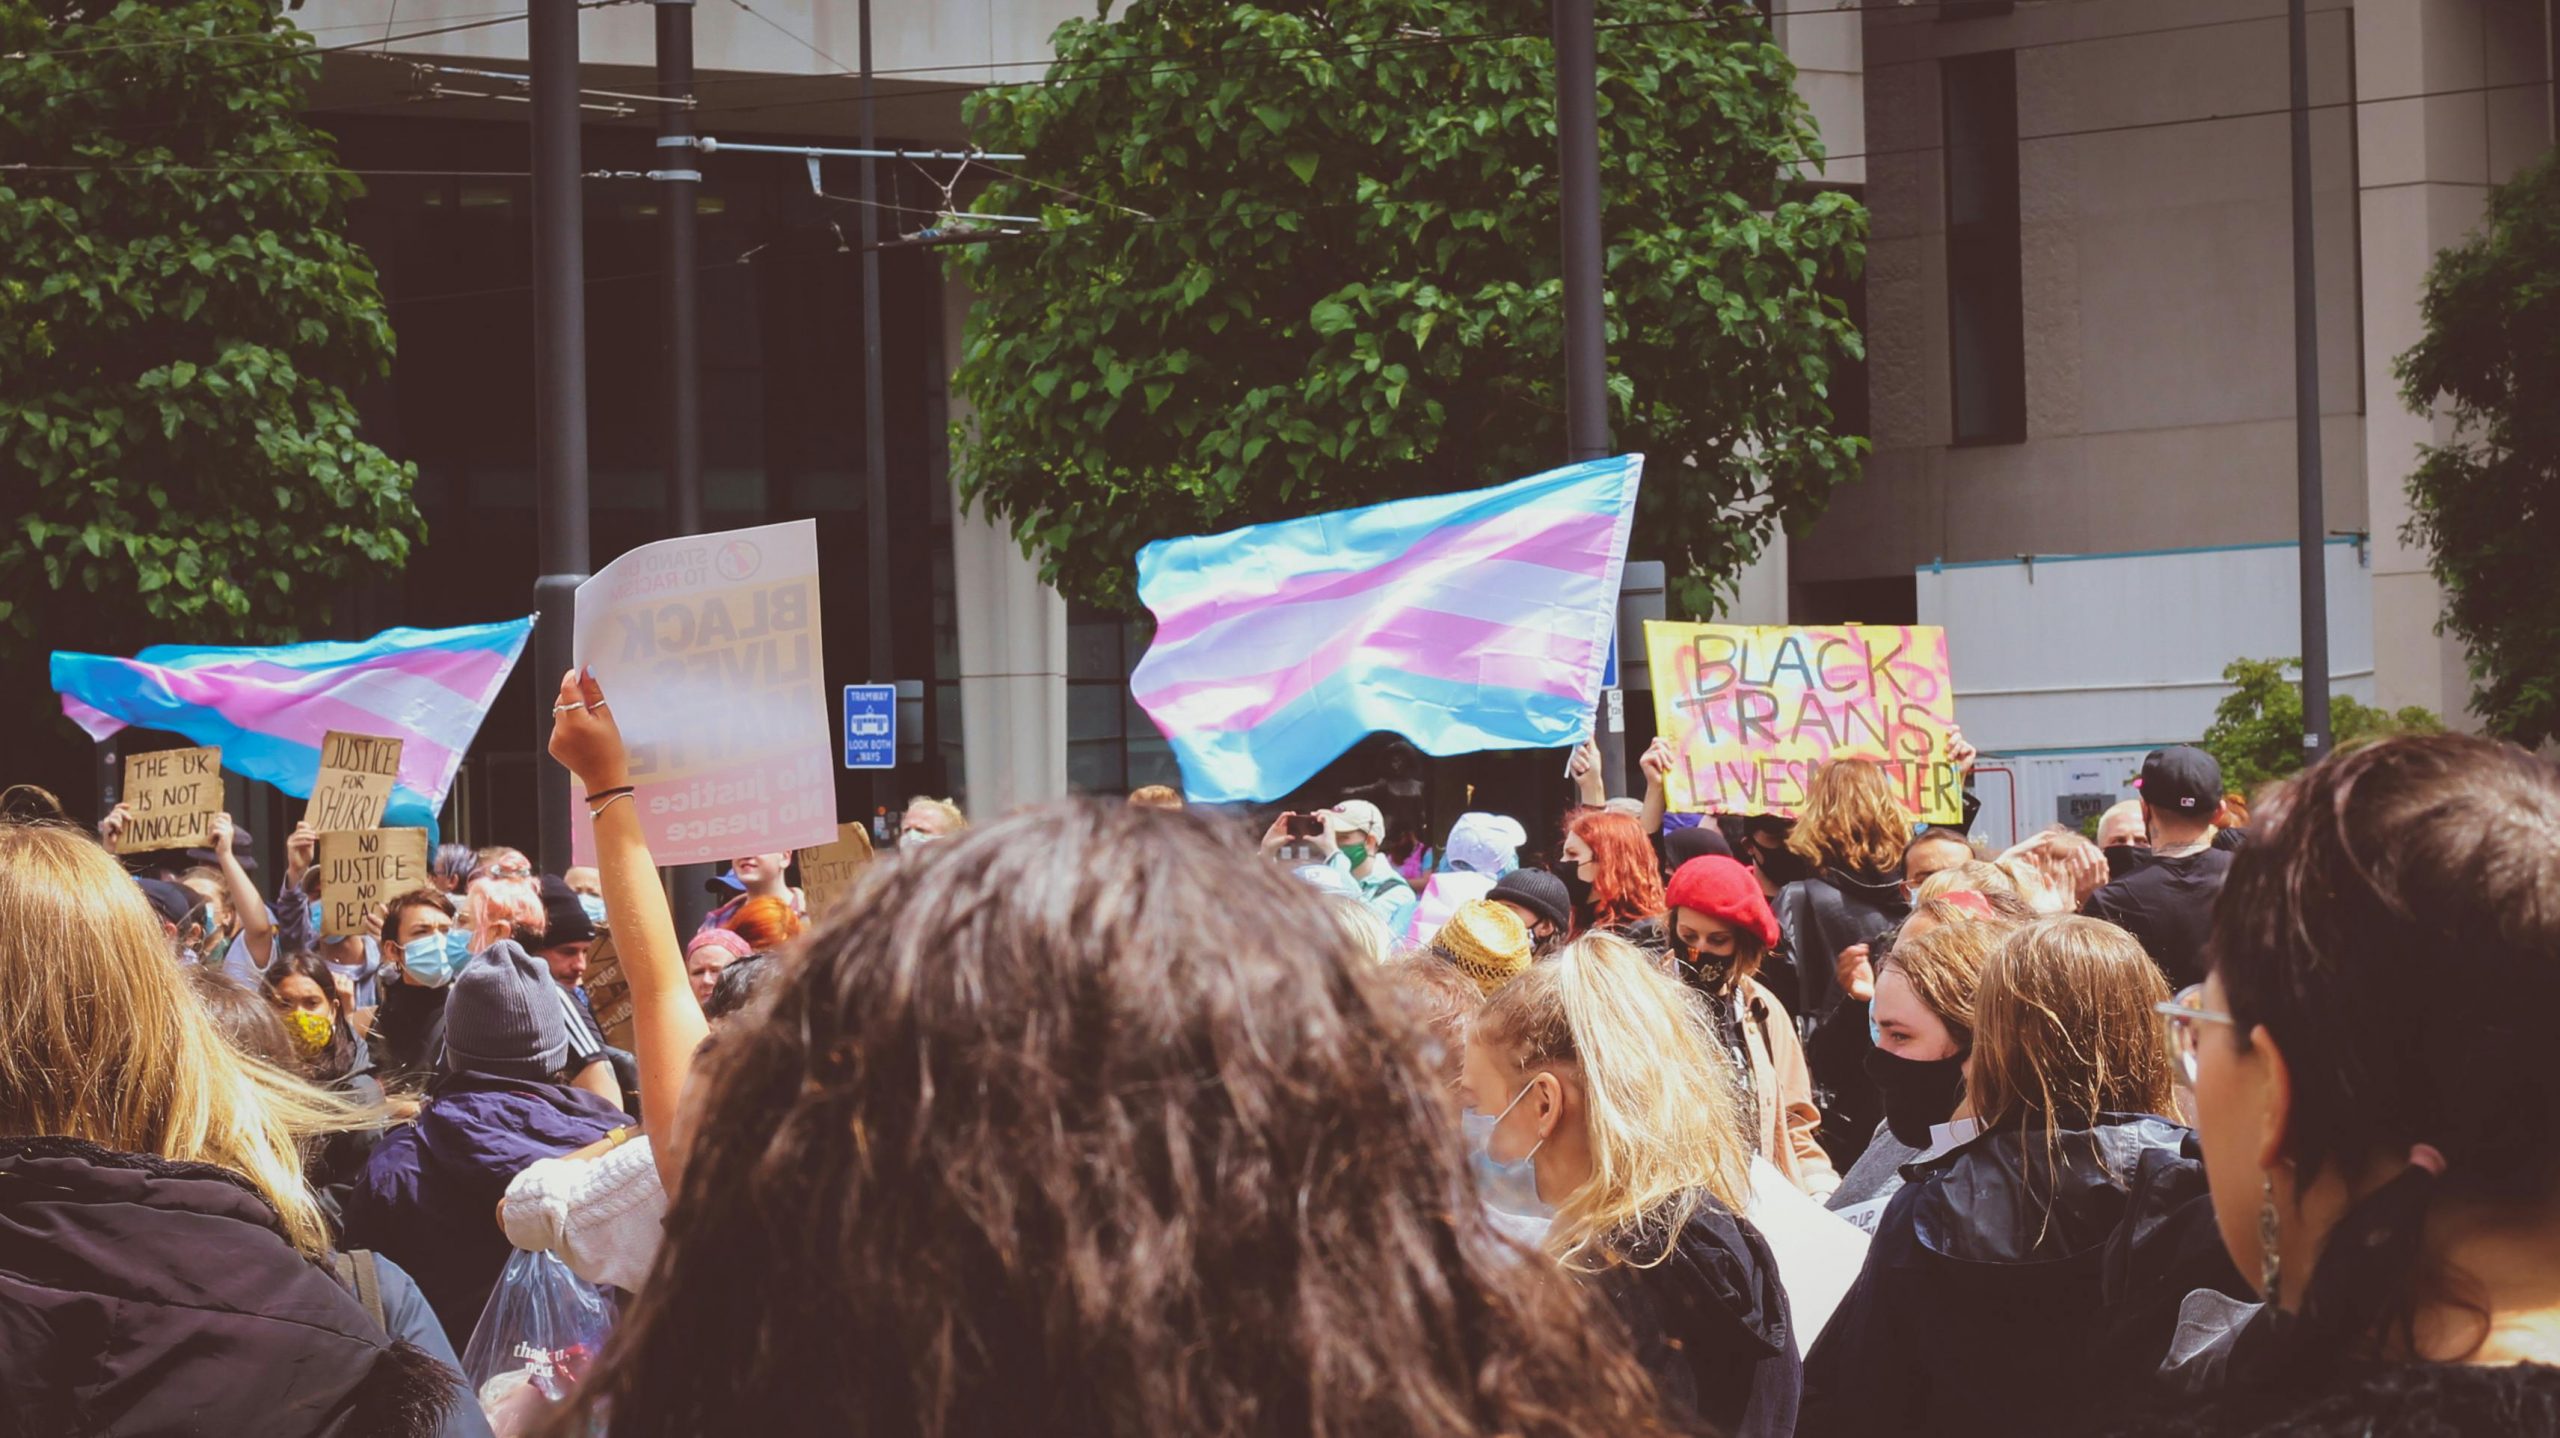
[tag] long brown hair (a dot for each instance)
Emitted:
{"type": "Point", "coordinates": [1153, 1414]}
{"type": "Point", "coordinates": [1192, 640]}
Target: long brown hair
{"type": "Point", "coordinates": [1629, 888]}
{"type": "Point", "coordinates": [101, 1040]}
{"type": "Point", "coordinates": [1088, 1122]}
{"type": "Point", "coordinates": [2065, 1027]}
{"type": "Point", "coordinates": [1851, 819]}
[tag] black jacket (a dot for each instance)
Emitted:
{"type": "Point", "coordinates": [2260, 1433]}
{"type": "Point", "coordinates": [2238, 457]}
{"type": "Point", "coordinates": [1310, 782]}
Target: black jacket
{"type": "Point", "coordinates": [2168, 905]}
{"type": "Point", "coordinates": [1711, 1325]}
{"type": "Point", "coordinates": [1981, 1310]}
{"type": "Point", "coordinates": [144, 1297]}
{"type": "Point", "coordinates": [1819, 917]}
{"type": "Point", "coordinates": [408, 1031]}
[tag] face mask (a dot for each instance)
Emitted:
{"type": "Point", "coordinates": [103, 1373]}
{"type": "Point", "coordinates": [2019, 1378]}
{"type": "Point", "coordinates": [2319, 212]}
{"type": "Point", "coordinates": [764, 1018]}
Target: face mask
{"type": "Point", "coordinates": [310, 1031]}
{"type": "Point", "coordinates": [1703, 970]}
{"type": "Point", "coordinates": [1576, 888]}
{"type": "Point", "coordinates": [1916, 1093]}
{"type": "Point", "coordinates": [2123, 859]}
{"type": "Point", "coordinates": [914, 839]}
{"type": "Point", "coordinates": [594, 907]}
{"type": "Point", "coordinates": [432, 959]}
{"type": "Point", "coordinates": [1511, 1187]}
{"type": "Point", "coordinates": [1358, 854]}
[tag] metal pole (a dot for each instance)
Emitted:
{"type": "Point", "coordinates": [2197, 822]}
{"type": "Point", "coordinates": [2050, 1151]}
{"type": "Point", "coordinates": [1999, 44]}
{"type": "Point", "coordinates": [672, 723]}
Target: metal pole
{"type": "Point", "coordinates": [679, 183]}
{"type": "Point", "coordinates": [559, 386]}
{"type": "Point", "coordinates": [875, 423]}
{"type": "Point", "coordinates": [1586, 354]}
{"type": "Point", "coordinates": [2311, 519]}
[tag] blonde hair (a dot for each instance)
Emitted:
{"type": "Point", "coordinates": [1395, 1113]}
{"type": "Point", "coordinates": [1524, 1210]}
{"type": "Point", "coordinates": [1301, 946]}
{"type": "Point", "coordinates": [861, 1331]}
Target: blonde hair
{"type": "Point", "coordinates": [101, 1040]}
{"type": "Point", "coordinates": [2065, 1029]}
{"type": "Point", "coordinates": [1943, 963]}
{"type": "Point", "coordinates": [1156, 796]}
{"type": "Point", "coordinates": [1362, 926]}
{"type": "Point", "coordinates": [1663, 1102]}
{"type": "Point", "coordinates": [1973, 876]}
{"type": "Point", "coordinates": [944, 807]}
{"type": "Point", "coordinates": [1851, 819]}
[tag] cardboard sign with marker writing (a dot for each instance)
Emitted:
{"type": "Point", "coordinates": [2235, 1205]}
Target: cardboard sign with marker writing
{"type": "Point", "coordinates": [171, 797]}
{"type": "Point", "coordinates": [362, 868]}
{"type": "Point", "coordinates": [609, 993]}
{"type": "Point", "coordinates": [828, 871]}
{"type": "Point", "coordinates": [356, 774]}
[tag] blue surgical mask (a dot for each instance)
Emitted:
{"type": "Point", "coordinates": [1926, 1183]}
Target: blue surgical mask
{"type": "Point", "coordinates": [433, 959]}
{"type": "Point", "coordinates": [594, 907]}
{"type": "Point", "coordinates": [1511, 1187]}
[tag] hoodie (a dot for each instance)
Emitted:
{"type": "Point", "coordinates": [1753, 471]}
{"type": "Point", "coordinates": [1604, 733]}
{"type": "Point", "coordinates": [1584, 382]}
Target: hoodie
{"type": "Point", "coordinates": [1982, 1309]}
{"type": "Point", "coordinates": [1710, 1323]}
{"type": "Point", "coordinates": [1834, 910]}
{"type": "Point", "coordinates": [141, 1296]}
{"type": "Point", "coordinates": [429, 1196]}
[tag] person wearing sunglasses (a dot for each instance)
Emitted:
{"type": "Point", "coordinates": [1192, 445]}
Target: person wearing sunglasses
{"type": "Point", "coordinates": [2384, 1153]}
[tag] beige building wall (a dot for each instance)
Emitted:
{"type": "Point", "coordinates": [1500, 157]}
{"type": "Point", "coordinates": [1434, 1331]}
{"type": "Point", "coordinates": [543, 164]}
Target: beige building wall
{"type": "Point", "coordinates": [2157, 281]}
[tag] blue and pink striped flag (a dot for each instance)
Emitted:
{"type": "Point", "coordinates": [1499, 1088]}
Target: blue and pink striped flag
{"type": "Point", "coordinates": [269, 708]}
{"type": "Point", "coordinates": [1461, 621]}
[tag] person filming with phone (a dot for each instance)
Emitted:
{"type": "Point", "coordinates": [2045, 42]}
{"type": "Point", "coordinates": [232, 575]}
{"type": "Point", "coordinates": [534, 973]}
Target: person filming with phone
{"type": "Point", "coordinates": [1350, 837]}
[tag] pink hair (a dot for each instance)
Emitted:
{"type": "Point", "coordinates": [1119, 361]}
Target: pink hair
{"type": "Point", "coordinates": [512, 901]}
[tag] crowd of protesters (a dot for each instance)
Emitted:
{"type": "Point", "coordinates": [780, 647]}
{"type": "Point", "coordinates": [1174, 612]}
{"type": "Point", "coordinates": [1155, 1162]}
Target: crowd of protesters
{"type": "Point", "coordinates": [1094, 1120]}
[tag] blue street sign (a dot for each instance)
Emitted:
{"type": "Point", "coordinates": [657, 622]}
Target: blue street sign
{"type": "Point", "coordinates": [871, 726]}
{"type": "Point", "coordinates": [1609, 671]}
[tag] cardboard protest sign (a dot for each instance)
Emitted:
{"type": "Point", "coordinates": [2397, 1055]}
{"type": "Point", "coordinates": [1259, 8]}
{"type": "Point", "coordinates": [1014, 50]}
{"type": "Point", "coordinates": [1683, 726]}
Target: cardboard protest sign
{"type": "Point", "coordinates": [708, 650]}
{"type": "Point", "coordinates": [1752, 710]}
{"type": "Point", "coordinates": [362, 868]}
{"type": "Point", "coordinates": [828, 870]}
{"type": "Point", "coordinates": [609, 993]}
{"type": "Point", "coordinates": [170, 798]}
{"type": "Point", "coordinates": [354, 788]}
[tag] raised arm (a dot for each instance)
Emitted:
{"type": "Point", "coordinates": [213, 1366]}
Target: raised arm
{"type": "Point", "coordinates": [666, 1023]}
{"type": "Point", "coordinates": [257, 928]}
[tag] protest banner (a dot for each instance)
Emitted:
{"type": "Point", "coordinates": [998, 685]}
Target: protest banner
{"type": "Point", "coordinates": [354, 787]}
{"type": "Point", "coordinates": [362, 868]}
{"type": "Point", "coordinates": [170, 798]}
{"type": "Point", "coordinates": [828, 870]}
{"type": "Point", "coordinates": [1752, 710]}
{"type": "Point", "coordinates": [708, 650]}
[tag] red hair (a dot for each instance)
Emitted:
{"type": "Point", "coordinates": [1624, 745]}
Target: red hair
{"type": "Point", "coordinates": [1628, 889]}
{"type": "Point", "coordinates": [766, 922]}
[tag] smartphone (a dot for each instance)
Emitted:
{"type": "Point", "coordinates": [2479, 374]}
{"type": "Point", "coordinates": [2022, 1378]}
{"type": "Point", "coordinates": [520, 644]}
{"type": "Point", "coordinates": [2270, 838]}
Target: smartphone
{"type": "Point", "coordinates": [1305, 826]}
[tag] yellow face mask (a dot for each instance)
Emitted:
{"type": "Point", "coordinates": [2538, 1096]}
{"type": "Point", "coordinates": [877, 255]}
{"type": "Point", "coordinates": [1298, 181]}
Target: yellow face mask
{"type": "Point", "coordinates": [311, 1031]}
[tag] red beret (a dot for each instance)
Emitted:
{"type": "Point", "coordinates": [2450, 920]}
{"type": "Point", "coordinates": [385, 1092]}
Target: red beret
{"type": "Point", "coordinates": [1723, 890]}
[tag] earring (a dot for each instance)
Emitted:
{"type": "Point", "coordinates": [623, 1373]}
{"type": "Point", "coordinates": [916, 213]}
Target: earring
{"type": "Point", "coordinates": [2270, 1268]}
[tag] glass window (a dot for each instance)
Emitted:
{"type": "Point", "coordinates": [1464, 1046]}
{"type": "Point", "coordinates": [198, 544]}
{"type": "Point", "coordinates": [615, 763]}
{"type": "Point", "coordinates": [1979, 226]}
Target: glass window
{"type": "Point", "coordinates": [1986, 320]}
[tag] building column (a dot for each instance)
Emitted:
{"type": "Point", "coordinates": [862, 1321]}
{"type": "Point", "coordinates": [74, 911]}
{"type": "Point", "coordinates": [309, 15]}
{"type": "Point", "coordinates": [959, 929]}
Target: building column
{"type": "Point", "coordinates": [2426, 168]}
{"type": "Point", "coordinates": [1013, 646]}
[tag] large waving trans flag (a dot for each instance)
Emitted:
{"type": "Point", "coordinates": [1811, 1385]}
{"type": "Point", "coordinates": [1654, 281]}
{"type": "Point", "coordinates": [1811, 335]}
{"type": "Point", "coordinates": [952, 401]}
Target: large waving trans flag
{"type": "Point", "coordinates": [269, 708]}
{"type": "Point", "coordinates": [1463, 622]}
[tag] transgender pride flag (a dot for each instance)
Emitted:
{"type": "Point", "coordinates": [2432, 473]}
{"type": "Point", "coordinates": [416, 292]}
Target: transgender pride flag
{"type": "Point", "coordinates": [1461, 621]}
{"type": "Point", "coordinates": [268, 708]}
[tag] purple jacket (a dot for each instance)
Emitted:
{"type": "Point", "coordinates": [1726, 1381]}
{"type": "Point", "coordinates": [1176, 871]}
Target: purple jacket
{"type": "Point", "coordinates": [428, 1200]}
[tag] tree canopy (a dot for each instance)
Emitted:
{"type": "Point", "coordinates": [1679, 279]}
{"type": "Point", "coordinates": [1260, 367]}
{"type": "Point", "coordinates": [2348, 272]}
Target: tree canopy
{"type": "Point", "coordinates": [2486, 503]}
{"type": "Point", "coordinates": [179, 321]}
{"type": "Point", "coordinates": [2257, 729]}
{"type": "Point", "coordinates": [1303, 256]}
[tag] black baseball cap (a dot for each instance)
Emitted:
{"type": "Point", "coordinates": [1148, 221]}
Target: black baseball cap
{"type": "Point", "coordinates": [2181, 779]}
{"type": "Point", "coordinates": [173, 902]}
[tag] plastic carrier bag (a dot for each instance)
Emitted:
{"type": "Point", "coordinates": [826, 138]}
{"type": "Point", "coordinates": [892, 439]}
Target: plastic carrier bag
{"type": "Point", "coordinates": [543, 1328]}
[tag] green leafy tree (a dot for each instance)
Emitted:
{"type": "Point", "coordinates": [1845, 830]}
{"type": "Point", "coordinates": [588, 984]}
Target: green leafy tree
{"type": "Point", "coordinates": [2257, 730]}
{"type": "Point", "coordinates": [2486, 504]}
{"type": "Point", "coordinates": [179, 321]}
{"type": "Point", "coordinates": [1303, 254]}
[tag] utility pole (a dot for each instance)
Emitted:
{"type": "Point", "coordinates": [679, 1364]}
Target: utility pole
{"type": "Point", "coordinates": [679, 181]}
{"type": "Point", "coordinates": [875, 425]}
{"type": "Point", "coordinates": [2310, 517]}
{"type": "Point", "coordinates": [1586, 354]}
{"type": "Point", "coordinates": [559, 387]}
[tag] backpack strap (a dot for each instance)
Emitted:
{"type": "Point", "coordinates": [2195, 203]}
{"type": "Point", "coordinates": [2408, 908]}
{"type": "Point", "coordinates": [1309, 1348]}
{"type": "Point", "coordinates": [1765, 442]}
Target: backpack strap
{"type": "Point", "coordinates": [359, 1270]}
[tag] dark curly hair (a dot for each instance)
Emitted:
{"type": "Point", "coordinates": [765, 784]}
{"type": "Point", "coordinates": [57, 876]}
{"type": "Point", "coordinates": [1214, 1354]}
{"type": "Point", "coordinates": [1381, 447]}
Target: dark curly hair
{"type": "Point", "coordinates": [2392, 922]}
{"type": "Point", "coordinates": [1088, 1122]}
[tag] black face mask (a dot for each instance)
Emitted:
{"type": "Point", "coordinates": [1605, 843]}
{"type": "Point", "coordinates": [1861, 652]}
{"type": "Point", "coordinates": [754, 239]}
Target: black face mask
{"type": "Point", "coordinates": [1576, 888]}
{"type": "Point", "coordinates": [1916, 1094]}
{"type": "Point", "coordinates": [1783, 866]}
{"type": "Point", "coordinates": [2123, 859]}
{"type": "Point", "coordinates": [1708, 973]}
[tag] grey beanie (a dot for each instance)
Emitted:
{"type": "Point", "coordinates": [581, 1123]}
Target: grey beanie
{"type": "Point", "coordinates": [504, 1017]}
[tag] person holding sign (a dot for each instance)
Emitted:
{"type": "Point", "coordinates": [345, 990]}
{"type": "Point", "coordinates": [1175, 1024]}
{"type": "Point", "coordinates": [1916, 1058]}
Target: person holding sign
{"type": "Point", "coordinates": [1852, 830]}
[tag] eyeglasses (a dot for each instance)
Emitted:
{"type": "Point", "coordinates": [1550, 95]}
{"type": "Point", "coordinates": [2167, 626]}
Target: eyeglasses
{"type": "Point", "coordinates": [2183, 1013]}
